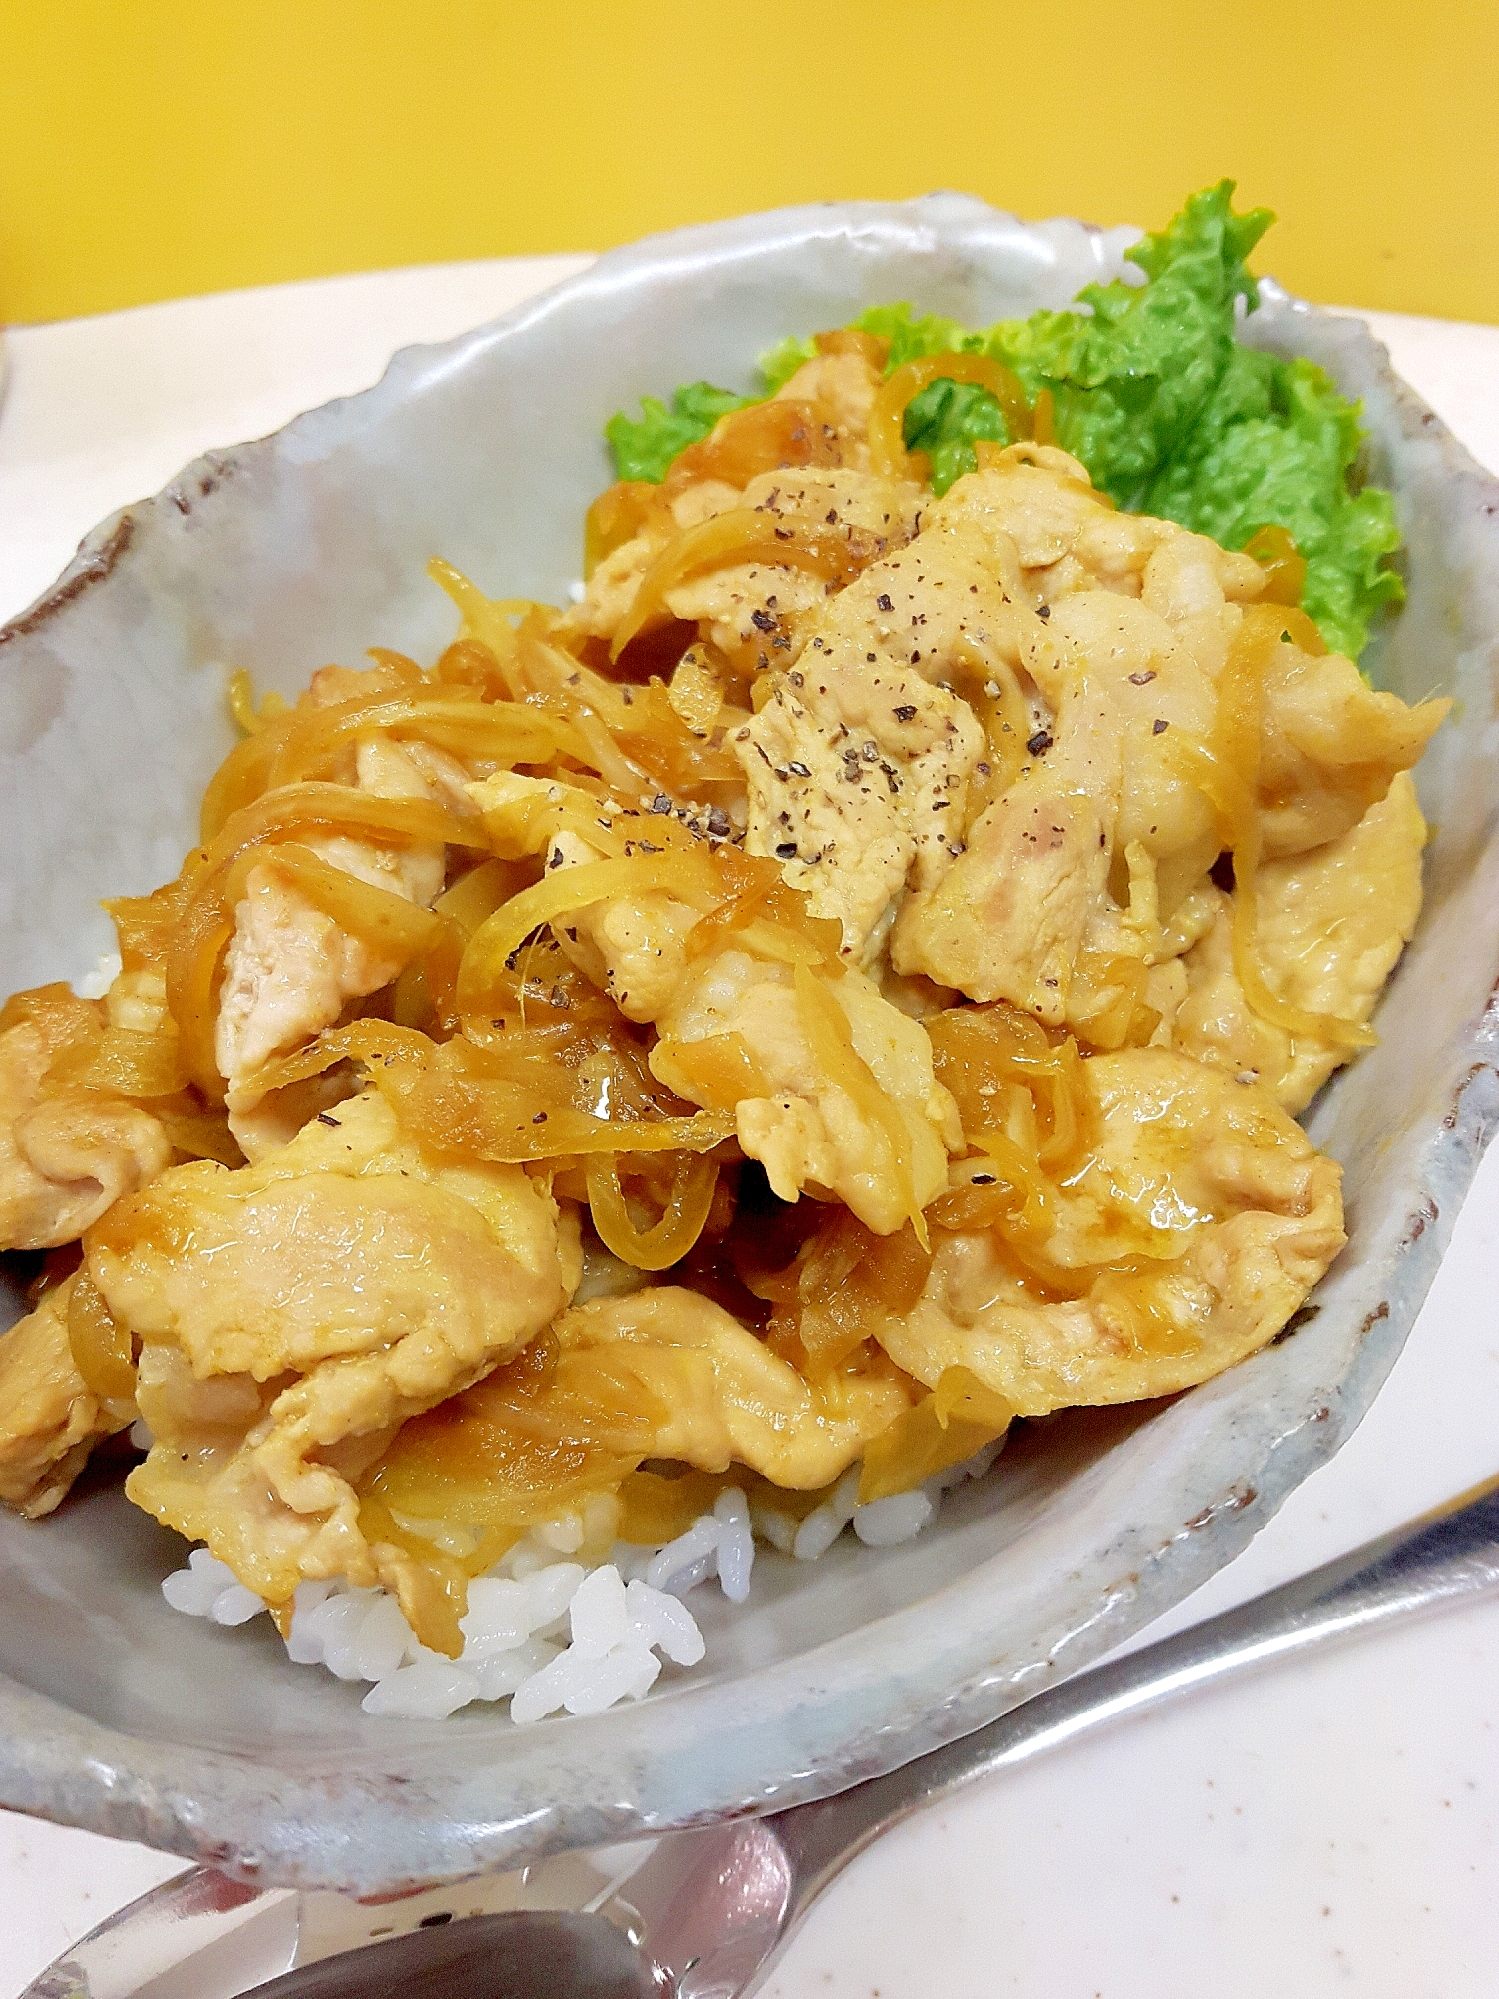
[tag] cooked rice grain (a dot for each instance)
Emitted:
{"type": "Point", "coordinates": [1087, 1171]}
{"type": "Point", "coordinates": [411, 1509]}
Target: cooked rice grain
{"type": "Point", "coordinates": [546, 1634]}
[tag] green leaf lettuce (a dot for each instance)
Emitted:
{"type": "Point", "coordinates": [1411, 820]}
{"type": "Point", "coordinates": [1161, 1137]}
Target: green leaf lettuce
{"type": "Point", "coordinates": [1130, 376]}
{"type": "Point", "coordinates": [945, 421]}
{"type": "Point", "coordinates": [644, 447]}
{"type": "Point", "coordinates": [1278, 443]}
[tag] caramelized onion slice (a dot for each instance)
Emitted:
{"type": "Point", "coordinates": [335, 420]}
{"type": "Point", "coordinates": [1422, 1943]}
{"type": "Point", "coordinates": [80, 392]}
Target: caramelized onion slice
{"type": "Point", "coordinates": [103, 1351]}
{"type": "Point", "coordinates": [619, 513]}
{"type": "Point", "coordinates": [501, 732]}
{"type": "Point", "coordinates": [503, 1104]}
{"type": "Point", "coordinates": [536, 1435]}
{"type": "Point", "coordinates": [242, 708]}
{"type": "Point", "coordinates": [826, 1027]}
{"type": "Point", "coordinates": [494, 621]}
{"type": "Point", "coordinates": [1274, 549]}
{"type": "Point", "coordinates": [121, 1062]}
{"type": "Point", "coordinates": [689, 875]}
{"type": "Point", "coordinates": [681, 1223]}
{"type": "Point", "coordinates": [958, 1418]}
{"type": "Point", "coordinates": [338, 808]}
{"type": "Point", "coordinates": [388, 923]}
{"type": "Point", "coordinates": [981, 1053]}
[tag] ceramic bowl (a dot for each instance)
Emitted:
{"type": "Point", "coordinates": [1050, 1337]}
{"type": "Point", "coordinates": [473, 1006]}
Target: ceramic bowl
{"type": "Point", "coordinates": [118, 1714]}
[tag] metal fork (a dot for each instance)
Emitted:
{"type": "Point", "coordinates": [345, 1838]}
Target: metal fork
{"type": "Point", "coordinates": [704, 1914]}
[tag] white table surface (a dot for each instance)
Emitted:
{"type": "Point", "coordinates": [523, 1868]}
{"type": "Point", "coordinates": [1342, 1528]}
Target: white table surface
{"type": "Point", "coordinates": [1329, 1828]}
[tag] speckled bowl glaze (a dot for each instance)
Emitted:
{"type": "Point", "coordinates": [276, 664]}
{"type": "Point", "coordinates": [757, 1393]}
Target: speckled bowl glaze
{"type": "Point", "coordinates": [117, 1714]}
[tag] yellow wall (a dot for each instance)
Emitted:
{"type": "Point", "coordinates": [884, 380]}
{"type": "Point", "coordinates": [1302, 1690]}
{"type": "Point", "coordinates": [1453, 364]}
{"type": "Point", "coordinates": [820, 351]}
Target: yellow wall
{"type": "Point", "coordinates": [150, 148]}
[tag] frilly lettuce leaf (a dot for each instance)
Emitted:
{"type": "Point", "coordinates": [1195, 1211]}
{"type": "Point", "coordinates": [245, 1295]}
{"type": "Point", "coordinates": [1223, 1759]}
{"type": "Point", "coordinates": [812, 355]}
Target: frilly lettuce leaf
{"type": "Point", "coordinates": [913, 335]}
{"type": "Point", "coordinates": [644, 447]}
{"type": "Point", "coordinates": [945, 420]}
{"type": "Point", "coordinates": [1131, 374]}
{"type": "Point", "coordinates": [1277, 443]}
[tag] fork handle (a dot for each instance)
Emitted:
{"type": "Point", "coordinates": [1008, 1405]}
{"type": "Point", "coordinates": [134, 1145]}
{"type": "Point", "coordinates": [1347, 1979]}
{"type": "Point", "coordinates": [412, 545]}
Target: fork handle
{"type": "Point", "coordinates": [1445, 1557]}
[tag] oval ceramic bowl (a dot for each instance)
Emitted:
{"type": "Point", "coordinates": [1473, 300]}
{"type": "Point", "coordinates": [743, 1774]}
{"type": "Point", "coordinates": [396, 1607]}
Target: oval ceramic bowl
{"type": "Point", "coordinates": [118, 1714]}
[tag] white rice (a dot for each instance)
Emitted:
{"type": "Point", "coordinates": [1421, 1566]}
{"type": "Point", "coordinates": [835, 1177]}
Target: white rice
{"type": "Point", "coordinates": [546, 1633]}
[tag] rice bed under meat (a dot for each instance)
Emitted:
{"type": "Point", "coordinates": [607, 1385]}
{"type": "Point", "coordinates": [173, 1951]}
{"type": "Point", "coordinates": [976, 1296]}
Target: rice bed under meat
{"type": "Point", "coordinates": [549, 1635]}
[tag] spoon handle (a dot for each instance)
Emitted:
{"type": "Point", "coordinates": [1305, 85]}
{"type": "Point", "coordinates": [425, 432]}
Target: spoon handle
{"type": "Point", "coordinates": [1446, 1556]}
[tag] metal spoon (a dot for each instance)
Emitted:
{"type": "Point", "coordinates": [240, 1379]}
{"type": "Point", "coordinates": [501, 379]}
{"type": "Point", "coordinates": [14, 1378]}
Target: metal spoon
{"type": "Point", "coordinates": [704, 1914]}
